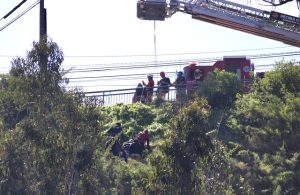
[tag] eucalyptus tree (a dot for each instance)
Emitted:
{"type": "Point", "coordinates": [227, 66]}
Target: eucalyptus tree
{"type": "Point", "coordinates": [48, 135]}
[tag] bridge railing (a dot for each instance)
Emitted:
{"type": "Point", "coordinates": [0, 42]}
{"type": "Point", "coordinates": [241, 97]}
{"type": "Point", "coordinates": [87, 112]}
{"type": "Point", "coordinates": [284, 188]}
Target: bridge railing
{"type": "Point", "coordinates": [125, 96]}
{"type": "Point", "coordinates": [110, 97]}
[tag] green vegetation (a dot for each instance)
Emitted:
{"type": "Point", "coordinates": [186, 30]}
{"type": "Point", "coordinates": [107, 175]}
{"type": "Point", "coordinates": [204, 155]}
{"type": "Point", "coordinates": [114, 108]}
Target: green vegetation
{"type": "Point", "coordinates": [52, 141]}
{"type": "Point", "coordinates": [268, 122]}
{"type": "Point", "coordinates": [225, 88]}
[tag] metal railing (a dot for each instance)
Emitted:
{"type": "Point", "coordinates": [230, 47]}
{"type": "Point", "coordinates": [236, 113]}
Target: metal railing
{"type": "Point", "coordinates": [125, 96]}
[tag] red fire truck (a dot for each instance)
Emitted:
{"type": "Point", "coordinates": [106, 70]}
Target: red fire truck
{"type": "Point", "coordinates": [235, 64]}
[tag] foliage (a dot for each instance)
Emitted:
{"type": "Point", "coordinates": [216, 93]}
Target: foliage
{"type": "Point", "coordinates": [188, 162]}
{"type": "Point", "coordinates": [285, 79]}
{"type": "Point", "coordinates": [220, 88]}
{"type": "Point", "coordinates": [51, 140]}
{"type": "Point", "coordinates": [268, 120]}
{"type": "Point", "coordinates": [218, 174]}
{"type": "Point", "coordinates": [188, 142]}
{"type": "Point", "coordinates": [48, 136]}
{"type": "Point", "coordinates": [136, 117]}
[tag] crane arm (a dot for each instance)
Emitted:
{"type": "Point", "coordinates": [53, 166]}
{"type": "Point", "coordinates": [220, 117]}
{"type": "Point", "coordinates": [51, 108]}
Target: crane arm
{"type": "Point", "coordinates": [272, 25]}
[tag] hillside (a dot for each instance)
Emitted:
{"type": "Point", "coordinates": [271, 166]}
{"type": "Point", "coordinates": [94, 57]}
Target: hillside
{"type": "Point", "coordinates": [53, 141]}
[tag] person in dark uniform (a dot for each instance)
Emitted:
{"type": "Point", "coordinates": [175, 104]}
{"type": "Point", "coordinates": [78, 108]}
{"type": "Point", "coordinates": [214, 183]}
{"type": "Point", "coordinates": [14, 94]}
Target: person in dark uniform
{"type": "Point", "coordinates": [180, 86]}
{"type": "Point", "coordinates": [163, 85]}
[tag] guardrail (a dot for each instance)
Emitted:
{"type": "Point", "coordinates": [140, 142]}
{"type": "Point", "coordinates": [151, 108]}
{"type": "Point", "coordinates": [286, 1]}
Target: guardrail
{"type": "Point", "coordinates": [125, 96]}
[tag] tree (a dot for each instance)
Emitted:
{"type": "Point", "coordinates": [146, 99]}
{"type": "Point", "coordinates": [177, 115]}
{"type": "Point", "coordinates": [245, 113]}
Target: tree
{"type": "Point", "coordinates": [48, 137]}
{"type": "Point", "coordinates": [268, 120]}
{"type": "Point", "coordinates": [285, 79]}
{"type": "Point", "coordinates": [187, 144]}
{"type": "Point", "coordinates": [220, 88]}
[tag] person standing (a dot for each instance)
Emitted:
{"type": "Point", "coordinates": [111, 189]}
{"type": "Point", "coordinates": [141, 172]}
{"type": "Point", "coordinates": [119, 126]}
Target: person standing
{"type": "Point", "coordinates": [199, 76]}
{"type": "Point", "coordinates": [163, 85]}
{"type": "Point", "coordinates": [180, 86]}
{"type": "Point", "coordinates": [196, 77]}
{"type": "Point", "coordinates": [149, 87]}
{"type": "Point", "coordinates": [139, 94]}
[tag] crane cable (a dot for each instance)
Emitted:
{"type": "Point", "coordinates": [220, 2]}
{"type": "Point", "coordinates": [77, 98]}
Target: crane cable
{"type": "Point", "coordinates": [155, 51]}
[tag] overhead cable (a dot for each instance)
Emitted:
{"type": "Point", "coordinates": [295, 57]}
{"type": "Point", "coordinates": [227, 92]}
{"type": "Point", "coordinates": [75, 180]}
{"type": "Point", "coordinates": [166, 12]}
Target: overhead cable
{"type": "Point", "coordinates": [138, 76]}
{"type": "Point", "coordinates": [175, 54]}
{"type": "Point", "coordinates": [138, 65]}
{"type": "Point", "coordinates": [14, 9]}
{"type": "Point", "coordinates": [170, 54]}
{"type": "Point", "coordinates": [111, 76]}
{"type": "Point", "coordinates": [20, 15]}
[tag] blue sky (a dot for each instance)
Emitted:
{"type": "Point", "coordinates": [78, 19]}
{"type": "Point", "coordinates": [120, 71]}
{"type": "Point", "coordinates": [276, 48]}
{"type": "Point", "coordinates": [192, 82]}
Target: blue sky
{"type": "Point", "coordinates": [110, 28]}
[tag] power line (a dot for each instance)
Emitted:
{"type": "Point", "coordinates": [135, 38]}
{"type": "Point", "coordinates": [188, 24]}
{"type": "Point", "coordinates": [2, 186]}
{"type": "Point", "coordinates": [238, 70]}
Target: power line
{"type": "Point", "coordinates": [132, 77]}
{"type": "Point", "coordinates": [111, 76]}
{"type": "Point", "coordinates": [105, 85]}
{"type": "Point", "coordinates": [175, 54]}
{"type": "Point", "coordinates": [166, 54]}
{"type": "Point", "coordinates": [19, 16]}
{"type": "Point", "coordinates": [204, 60]}
{"type": "Point", "coordinates": [14, 9]}
{"type": "Point", "coordinates": [169, 63]}
{"type": "Point", "coordinates": [141, 75]}
{"type": "Point", "coordinates": [139, 65]}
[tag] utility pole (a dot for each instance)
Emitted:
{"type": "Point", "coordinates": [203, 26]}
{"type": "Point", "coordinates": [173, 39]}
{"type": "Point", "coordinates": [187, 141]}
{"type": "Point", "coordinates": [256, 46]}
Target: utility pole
{"type": "Point", "coordinates": [43, 37]}
{"type": "Point", "coordinates": [43, 61]}
{"type": "Point", "coordinates": [43, 20]}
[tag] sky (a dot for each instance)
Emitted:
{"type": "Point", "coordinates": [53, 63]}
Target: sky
{"type": "Point", "coordinates": [96, 35]}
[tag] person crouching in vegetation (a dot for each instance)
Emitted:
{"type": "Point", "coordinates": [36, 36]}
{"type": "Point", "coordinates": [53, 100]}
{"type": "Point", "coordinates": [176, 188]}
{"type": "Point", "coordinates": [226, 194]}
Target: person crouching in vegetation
{"type": "Point", "coordinates": [134, 148]}
{"type": "Point", "coordinates": [143, 138]}
{"type": "Point", "coordinates": [116, 138]}
{"type": "Point", "coordinates": [115, 130]}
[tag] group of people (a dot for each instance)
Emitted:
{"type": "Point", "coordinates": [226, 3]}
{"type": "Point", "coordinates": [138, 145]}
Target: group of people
{"type": "Point", "coordinates": [132, 148]}
{"type": "Point", "coordinates": [144, 91]}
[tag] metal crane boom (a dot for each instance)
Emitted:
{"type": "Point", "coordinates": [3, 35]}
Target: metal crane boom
{"type": "Point", "coordinates": [272, 25]}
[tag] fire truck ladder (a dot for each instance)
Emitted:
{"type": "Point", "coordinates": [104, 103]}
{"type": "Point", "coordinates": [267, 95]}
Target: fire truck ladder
{"type": "Point", "coordinates": [242, 18]}
{"type": "Point", "coordinates": [232, 15]}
